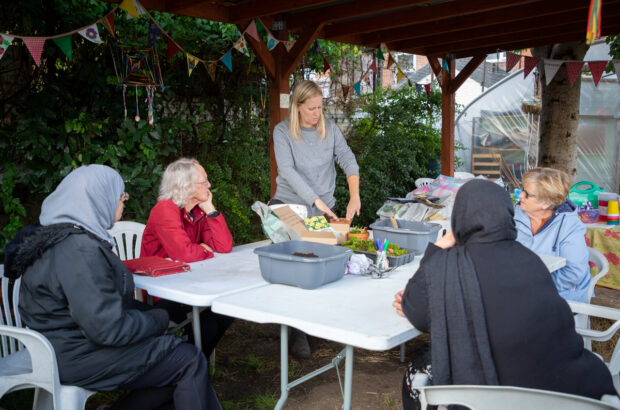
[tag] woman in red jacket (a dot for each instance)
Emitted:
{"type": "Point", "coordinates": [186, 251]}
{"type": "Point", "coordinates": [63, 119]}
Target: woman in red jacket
{"type": "Point", "coordinates": [185, 226]}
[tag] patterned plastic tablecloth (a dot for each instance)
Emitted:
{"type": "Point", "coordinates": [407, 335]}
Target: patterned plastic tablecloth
{"type": "Point", "coordinates": [607, 241]}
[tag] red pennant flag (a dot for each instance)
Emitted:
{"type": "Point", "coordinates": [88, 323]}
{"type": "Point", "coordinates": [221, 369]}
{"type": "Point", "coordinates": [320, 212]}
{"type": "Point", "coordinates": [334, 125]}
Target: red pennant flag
{"type": "Point", "coordinates": [574, 69]}
{"type": "Point", "coordinates": [172, 48]}
{"type": "Point", "coordinates": [530, 64]}
{"type": "Point", "coordinates": [251, 30]}
{"type": "Point", "coordinates": [345, 91]}
{"type": "Point", "coordinates": [35, 46]}
{"type": "Point", "coordinates": [597, 68]}
{"type": "Point", "coordinates": [428, 89]}
{"type": "Point", "coordinates": [108, 23]}
{"type": "Point", "coordinates": [326, 65]}
{"type": "Point", "coordinates": [390, 61]}
{"type": "Point", "coordinates": [373, 66]}
{"type": "Point", "coordinates": [511, 60]}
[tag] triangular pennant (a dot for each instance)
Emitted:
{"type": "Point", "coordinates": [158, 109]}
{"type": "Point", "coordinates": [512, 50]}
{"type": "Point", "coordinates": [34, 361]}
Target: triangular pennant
{"type": "Point", "coordinates": [358, 88]}
{"type": "Point", "coordinates": [445, 66]}
{"type": "Point", "coordinates": [573, 68]}
{"type": "Point", "coordinates": [326, 65]}
{"type": "Point", "coordinates": [35, 46]}
{"type": "Point", "coordinates": [5, 42]}
{"type": "Point", "coordinates": [129, 7]}
{"type": "Point", "coordinates": [139, 8]}
{"type": "Point", "coordinates": [399, 75]}
{"type": "Point", "coordinates": [594, 22]}
{"type": "Point", "coordinates": [390, 60]}
{"type": "Point", "coordinates": [427, 87]}
{"type": "Point", "coordinates": [251, 30]}
{"type": "Point", "coordinates": [529, 64]}
{"type": "Point", "coordinates": [192, 62]}
{"type": "Point", "coordinates": [380, 54]}
{"type": "Point", "coordinates": [91, 33]}
{"type": "Point", "coordinates": [64, 43]}
{"type": "Point", "coordinates": [418, 88]}
{"type": "Point", "coordinates": [288, 45]}
{"type": "Point", "coordinates": [317, 48]}
{"type": "Point", "coordinates": [108, 23]}
{"type": "Point", "coordinates": [511, 60]}
{"type": "Point", "coordinates": [409, 82]}
{"type": "Point", "coordinates": [227, 61]}
{"type": "Point", "coordinates": [211, 67]}
{"type": "Point", "coordinates": [241, 46]}
{"type": "Point", "coordinates": [551, 68]}
{"type": "Point", "coordinates": [154, 33]}
{"type": "Point", "coordinates": [272, 42]}
{"type": "Point", "coordinates": [597, 68]}
{"type": "Point", "coordinates": [373, 66]}
{"type": "Point", "coordinates": [617, 68]}
{"type": "Point", "coordinates": [173, 48]}
{"type": "Point", "coordinates": [345, 91]}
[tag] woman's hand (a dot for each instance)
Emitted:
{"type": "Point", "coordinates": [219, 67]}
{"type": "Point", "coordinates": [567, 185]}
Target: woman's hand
{"type": "Point", "coordinates": [446, 241]}
{"type": "Point", "coordinates": [321, 206]}
{"type": "Point", "coordinates": [207, 247]}
{"type": "Point", "coordinates": [398, 300]}
{"type": "Point", "coordinates": [353, 208]}
{"type": "Point", "coordinates": [207, 206]}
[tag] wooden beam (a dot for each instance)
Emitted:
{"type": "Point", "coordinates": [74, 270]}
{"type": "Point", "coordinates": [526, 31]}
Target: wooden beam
{"type": "Point", "coordinates": [466, 72]}
{"type": "Point", "coordinates": [191, 8]}
{"type": "Point", "coordinates": [260, 8]}
{"type": "Point", "coordinates": [417, 15]}
{"type": "Point", "coordinates": [447, 123]}
{"type": "Point", "coordinates": [436, 67]}
{"type": "Point", "coordinates": [262, 52]}
{"type": "Point", "coordinates": [303, 42]}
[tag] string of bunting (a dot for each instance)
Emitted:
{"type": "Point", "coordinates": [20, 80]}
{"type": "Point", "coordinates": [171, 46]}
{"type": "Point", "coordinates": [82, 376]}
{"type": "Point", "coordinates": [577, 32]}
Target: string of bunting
{"type": "Point", "coordinates": [552, 66]}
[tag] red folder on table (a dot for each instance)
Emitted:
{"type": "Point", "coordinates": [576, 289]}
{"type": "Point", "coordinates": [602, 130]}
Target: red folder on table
{"type": "Point", "coordinates": [155, 266]}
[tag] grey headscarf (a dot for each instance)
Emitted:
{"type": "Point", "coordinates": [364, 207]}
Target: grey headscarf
{"type": "Point", "coordinates": [87, 197]}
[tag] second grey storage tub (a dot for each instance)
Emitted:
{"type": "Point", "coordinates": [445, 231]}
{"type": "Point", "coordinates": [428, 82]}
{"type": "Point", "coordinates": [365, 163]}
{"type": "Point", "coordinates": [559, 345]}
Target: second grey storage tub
{"type": "Point", "coordinates": [409, 234]}
{"type": "Point", "coordinates": [279, 265]}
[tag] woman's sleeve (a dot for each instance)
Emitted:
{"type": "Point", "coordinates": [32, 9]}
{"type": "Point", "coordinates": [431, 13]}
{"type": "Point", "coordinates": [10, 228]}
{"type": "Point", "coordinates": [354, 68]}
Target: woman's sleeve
{"type": "Point", "coordinates": [344, 155]}
{"type": "Point", "coordinates": [286, 165]}
{"type": "Point", "coordinates": [572, 246]}
{"type": "Point", "coordinates": [214, 232]}
{"type": "Point", "coordinates": [96, 304]}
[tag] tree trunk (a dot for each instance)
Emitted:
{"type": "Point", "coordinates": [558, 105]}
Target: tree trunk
{"type": "Point", "coordinates": [559, 119]}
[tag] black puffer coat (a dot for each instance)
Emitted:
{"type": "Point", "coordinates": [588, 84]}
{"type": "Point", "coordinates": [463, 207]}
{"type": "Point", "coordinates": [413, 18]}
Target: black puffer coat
{"type": "Point", "coordinates": [78, 293]}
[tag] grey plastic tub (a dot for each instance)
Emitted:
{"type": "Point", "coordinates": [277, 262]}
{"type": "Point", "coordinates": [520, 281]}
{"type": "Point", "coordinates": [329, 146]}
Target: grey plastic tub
{"type": "Point", "coordinates": [279, 265]}
{"type": "Point", "coordinates": [408, 235]}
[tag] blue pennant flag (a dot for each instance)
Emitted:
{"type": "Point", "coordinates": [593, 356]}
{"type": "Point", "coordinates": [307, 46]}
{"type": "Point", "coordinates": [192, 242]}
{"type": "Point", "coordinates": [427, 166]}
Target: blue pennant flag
{"type": "Point", "coordinates": [154, 34]}
{"type": "Point", "coordinates": [445, 66]}
{"type": "Point", "coordinates": [227, 60]}
{"type": "Point", "coordinates": [418, 88]}
{"type": "Point", "coordinates": [357, 88]}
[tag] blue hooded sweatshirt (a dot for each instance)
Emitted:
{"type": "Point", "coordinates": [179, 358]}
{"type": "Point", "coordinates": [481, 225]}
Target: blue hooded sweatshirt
{"type": "Point", "coordinates": [563, 234]}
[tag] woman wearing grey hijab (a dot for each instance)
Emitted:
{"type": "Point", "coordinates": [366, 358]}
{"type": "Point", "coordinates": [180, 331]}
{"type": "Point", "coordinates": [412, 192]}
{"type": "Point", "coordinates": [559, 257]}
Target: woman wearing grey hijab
{"type": "Point", "coordinates": [79, 295]}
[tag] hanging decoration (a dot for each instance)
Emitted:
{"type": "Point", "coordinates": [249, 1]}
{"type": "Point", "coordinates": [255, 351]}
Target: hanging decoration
{"type": "Point", "coordinates": [573, 68]}
{"type": "Point", "coordinates": [91, 33]}
{"type": "Point", "coordinates": [551, 68]}
{"type": "Point", "coordinates": [529, 65]}
{"type": "Point", "coordinates": [594, 22]}
{"type": "Point", "coordinates": [64, 43]}
{"type": "Point", "coordinates": [35, 46]}
{"type": "Point", "coordinates": [597, 68]}
{"type": "Point", "coordinates": [511, 60]}
{"type": "Point", "coordinates": [241, 46]}
{"type": "Point", "coordinates": [5, 42]}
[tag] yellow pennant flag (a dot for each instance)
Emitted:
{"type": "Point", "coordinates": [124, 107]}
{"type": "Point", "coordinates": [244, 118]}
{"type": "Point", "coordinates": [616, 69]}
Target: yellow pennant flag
{"type": "Point", "coordinates": [192, 62]}
{"type": "Point", "coordinates": [129, 7]}
{"type": "Point", "coordinates": [399, 76]}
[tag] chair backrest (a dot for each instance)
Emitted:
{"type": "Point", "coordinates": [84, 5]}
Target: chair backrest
{"type": "Point", "coordinates": [601, 263]}
{"type": "Point", "coordinates": [420, 182]}
{"type": "Point", "coordinates": [506, 398]}
{"type": "Point", "coordinates": [9, 314]}
{"type": "Point", "coordinates": [128, 239]}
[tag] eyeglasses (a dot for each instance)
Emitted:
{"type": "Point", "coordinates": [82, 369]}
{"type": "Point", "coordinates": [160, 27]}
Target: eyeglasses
{"type": "Point", "coordinates": [527, 195]}
{"type": "Point", "coordinates": [124, 196]}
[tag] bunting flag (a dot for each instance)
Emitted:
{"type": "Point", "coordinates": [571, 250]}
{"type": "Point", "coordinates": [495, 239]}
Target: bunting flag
{"type": "Point", "coordinates": [390, 61]}
{"type": "Point", "coordinates": [139, 8]}
{"type": "Point", "coordinates": [551, 68]}
{"type": "Point", "coordinates": [380, 54]}
{"type": "Point", "coordinates": [594, 22]}
{"type": "Point", "coordinates": [129, 7]}
{"type": "Point", "coordinates": [272, 42]}
{"type": "Point", "coordinates": [108, 23]}
{"type": "Point", "coordinates": [91, 33]}
{"type": "Point", "coordinates": [192, 62]}
{"type": "Point", "coordinates": [35, 46]}
{"type": "Point", "coordinates": [511, 60]}
{"type": "Point", "coordinates": [326, 65]}
{"type": "Point", "coordinates": [597, 68]}
{"type": "Point", "coordinates": [251, 30]}
{"type": "Point", "coordinates": [211, 67]}
{"type": "Point", "coordinates": [418, 88]}
{"type": "Point", "coordinates": [317, 48]}
{"type": "Point", "coordinates": [5, 42]}
{"type": "Point", "coordinates": [345, 91]}
{"type": "Point", "coordinates": [241, 46]}
{"type": "Point", "coordinates": [445, 66]}
{"type": "Point", "coordinates": [358, 88]}
{"type": "Point", "coordinates": [427, 87]}
{"type": "Point", "coordinates": [154, 33]}
{"type": "Point", "coordinates": [373, 66]}
{"type": "Point", "coordinates": [227, 61]}
{"type": "Point", "coordinates": [574, 70]}
{"type": "Point", "coordinates": [64, 43]}
{"type": "Point", "coordinates": [529, 65]}
{"type": "Point", "coordinates": [399, 75]}
{"type": "Point", "coordinates": [173, 48]}
{"type": "Point", "coordinates": [288, 45]}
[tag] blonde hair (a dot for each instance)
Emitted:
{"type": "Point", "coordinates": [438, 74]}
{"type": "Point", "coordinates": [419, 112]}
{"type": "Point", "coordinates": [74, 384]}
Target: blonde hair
{"type": "Point", "coordinates": [302, 91]}
{"type": "Point", "coordinates": [178, 182]}
{"type": "Point", "coordinates": [553, 185]}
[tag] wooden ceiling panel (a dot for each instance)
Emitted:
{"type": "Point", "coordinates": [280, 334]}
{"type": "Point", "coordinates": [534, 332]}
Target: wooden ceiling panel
{"type": "Point", "coordinates": [260, 8]}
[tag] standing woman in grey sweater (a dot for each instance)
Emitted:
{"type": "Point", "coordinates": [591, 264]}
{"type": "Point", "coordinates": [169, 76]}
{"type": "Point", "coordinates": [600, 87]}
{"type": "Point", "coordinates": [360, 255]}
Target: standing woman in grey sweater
{"type": "Point", "coordinates": [306, 146]}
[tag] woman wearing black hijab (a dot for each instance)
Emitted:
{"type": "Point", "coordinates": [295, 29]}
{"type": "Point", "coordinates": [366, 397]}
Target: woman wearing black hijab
{"type": "Point", "coordinates": [491, 308]}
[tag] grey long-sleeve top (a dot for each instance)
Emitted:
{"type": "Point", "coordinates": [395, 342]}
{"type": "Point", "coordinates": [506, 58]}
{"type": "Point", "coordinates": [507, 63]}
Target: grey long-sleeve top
{"type": "Point", "coordinates": [306, 169]}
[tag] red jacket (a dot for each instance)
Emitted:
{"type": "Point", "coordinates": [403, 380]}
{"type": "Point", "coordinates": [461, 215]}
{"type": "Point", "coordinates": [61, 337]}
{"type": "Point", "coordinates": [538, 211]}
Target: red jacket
{"type": "Point", "coordinates": [171, 233]}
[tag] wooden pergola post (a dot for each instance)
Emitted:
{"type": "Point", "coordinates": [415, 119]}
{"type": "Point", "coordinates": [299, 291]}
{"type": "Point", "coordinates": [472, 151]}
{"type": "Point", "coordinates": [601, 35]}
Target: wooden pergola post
{"type": "Point", "coordinates": [449, 84]}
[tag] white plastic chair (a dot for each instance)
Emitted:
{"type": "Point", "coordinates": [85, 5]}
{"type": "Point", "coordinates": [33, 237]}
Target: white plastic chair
{"type": "Point", "coordinates": [463, 175]}
{"type": "Point", "coordinates": [128, 239]}
{"type": "Point", "coordinates": [420, 182]}
{"type": "Point", "coordinates": [27, 360]}
{"type": "Point", "coordinates": [510, 398]}
{"type": "Point", "coordinates": [589, 310]}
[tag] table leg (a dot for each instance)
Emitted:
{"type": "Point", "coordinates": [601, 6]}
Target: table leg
{"type": "Point", "coordinates": [283, 367]}
{"type": "Point", "coordinates": [348, 377]}
{"type": "Point", "coordinates": [196, 327]}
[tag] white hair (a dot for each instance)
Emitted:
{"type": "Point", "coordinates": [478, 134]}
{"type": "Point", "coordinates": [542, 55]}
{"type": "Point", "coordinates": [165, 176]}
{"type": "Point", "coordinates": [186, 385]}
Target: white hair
{"type": "Point", "coordinates": [178, 182]}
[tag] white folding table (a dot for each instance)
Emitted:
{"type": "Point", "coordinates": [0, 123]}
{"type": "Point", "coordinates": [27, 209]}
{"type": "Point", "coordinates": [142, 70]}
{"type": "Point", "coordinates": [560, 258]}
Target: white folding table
{"type": "Point", "coordinates": [223, 274]}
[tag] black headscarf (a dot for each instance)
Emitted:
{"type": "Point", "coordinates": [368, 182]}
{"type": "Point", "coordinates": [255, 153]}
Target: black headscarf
{"type": "Point", "coordinates": [461, 353]}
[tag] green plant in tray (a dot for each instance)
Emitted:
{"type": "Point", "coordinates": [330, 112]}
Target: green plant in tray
{"type": "Point", "coordinates": [366, 245]}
